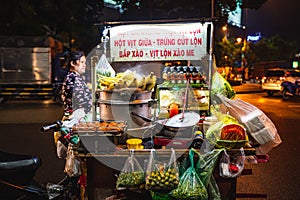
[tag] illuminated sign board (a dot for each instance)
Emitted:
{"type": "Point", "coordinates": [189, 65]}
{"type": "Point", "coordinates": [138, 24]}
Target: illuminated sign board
{"type": "Point", "coordinates": [235, 17]}
{"type": "Point", "coordinates": [178, 41]}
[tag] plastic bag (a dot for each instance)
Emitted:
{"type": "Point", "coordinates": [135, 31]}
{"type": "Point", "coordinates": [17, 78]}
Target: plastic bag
{"type": "Point", "coordinates": [132, 174]}
{"type": "Point", "coordinates": [232, 165]}
{"type": "Point", "coordinates": [213, 132]}
{"type": "Point", "coordinates": [61, 150]}
{"type": "Point", "coordinates": [162, 176]}
{"type": "Point", "coordinates": [190, 185]}
{"type": "Point", "coordinates": [104, 68]}
{"type": "Point", "coordinates": [258, 124]}
{"type": "Point", "coordinates": [75, 118]}
{"type": "Point", "coordinates": [54, 191]}
{"type": "Point", "coordinates": [205, 167]}
{"type": "Point", "coordinates": [72, 166]}
{"type": "Point", "coordinates": [221, 86]}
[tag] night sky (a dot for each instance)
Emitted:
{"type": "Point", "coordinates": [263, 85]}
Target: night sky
{"type": "Point", "coordinates": [276, 17]}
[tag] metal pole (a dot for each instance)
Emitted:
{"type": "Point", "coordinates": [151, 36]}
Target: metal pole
{"type": "Point", "coordinates": [212, 8]}
{"type": "Point", "coordinates": [210, 64]}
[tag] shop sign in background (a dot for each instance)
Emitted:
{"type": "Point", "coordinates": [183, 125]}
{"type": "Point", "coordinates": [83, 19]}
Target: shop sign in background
{"type": "Point", "coordinates": [154, 42]}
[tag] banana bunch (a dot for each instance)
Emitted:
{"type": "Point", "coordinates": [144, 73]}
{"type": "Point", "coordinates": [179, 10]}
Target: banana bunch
{"type": "Point", "coordinates": [150, 81]}
{"type": "Point", "coordinates": [126, 80]}
{"type": "Point", "coordinates": [107, 83]}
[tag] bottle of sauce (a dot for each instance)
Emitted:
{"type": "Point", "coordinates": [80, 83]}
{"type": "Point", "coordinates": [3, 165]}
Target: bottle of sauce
{"type": "Point", "coordinates": [191, 70]}
{"type": "Point", "coordinates": [199, 75]}
{"type": "Point", "coordinates": [165, 73]}
{"type": "Point", "coordinates": [188, 75]}
{"type": "Point", "coordinates": [173, 75]}
{"type": "Point", "coordinates": [184, 74]}
{"type": "Point", "coordinates": [180, 74]}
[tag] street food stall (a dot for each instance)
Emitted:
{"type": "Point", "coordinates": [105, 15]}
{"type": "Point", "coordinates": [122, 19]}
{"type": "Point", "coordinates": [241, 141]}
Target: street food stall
{"type": "Point", "coordinates": [160, 121]}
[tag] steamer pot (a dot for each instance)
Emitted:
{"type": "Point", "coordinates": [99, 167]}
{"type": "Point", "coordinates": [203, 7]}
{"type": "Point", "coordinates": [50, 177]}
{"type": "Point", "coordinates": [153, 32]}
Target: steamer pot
{"type": "Point", "coordinates": [125, 94]}
{"type": "Point", "coordinates": [121, 110]}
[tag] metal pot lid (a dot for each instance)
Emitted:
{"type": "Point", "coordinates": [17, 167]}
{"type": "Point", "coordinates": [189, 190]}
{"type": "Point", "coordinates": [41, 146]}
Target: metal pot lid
{"type": "Point", "coordinates": [189, 119]}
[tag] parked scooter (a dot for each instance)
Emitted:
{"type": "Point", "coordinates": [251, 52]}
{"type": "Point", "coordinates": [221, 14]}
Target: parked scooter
{"type": "Point", "coordinates": [290, 89]}
{"type": "Point", "coordinates": [17, 177]}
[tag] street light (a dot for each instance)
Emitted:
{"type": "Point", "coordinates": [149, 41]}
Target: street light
{"type": "Point", "coordinates": [239, 40]}
{"type": "Point", "coordinates": [225, 30]}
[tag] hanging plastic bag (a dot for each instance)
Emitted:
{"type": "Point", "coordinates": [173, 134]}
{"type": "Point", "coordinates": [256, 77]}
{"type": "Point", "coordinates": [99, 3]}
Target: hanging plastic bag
{"type": "Point", "coordinates": [205, 167]}
{"type": "Point", "coordinates": [258, 124]}
{"type": "Point", "coordinates": [221, 86]}
{"type": "Point", "coordinates": [190, 185]}
{"type": "Point", "coordinates": [72, 166]}
{"type": "Point", "coordinates": [103, 67]}
{"type": "Point", "coordinates": [185, 163]}
{"type": "Point", "coordinates": [61, 150]}
{"type": "Point", "coordinates": [232, 165]}
{"type": "Point", "coordinates": [162, 176]}
{"type": "Point", "coordinates": [132, 174]}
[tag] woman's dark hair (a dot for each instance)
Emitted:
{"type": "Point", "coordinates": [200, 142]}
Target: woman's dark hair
{"type": "Point", "coordinates": [73, 56]}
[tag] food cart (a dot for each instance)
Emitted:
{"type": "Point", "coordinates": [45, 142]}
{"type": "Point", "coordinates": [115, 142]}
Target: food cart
{"type": "Point", "coordinates": [152, 90]}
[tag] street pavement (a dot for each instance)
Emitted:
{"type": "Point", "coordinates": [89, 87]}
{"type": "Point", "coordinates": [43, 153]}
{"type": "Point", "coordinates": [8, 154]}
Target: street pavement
{"type": "Point", "coordinates": [247, 88]}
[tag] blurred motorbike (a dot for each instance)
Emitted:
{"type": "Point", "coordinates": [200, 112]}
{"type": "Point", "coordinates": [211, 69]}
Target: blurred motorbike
{"type": "Point", "coordinates": [290, 89]}
{"type": "Point", "coordinates": [17, 173]}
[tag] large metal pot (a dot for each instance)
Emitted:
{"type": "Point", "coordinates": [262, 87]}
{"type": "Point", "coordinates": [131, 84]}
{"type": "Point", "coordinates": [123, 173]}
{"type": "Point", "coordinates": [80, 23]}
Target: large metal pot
{"type": "Point", "coordinates": [121, 110]}
{"type": "Point", "coordinates": [125, 94]}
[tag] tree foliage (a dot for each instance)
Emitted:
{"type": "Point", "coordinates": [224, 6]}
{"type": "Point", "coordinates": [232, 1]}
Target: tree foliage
{"type": "Point", "coordinates": [274, 48]}
{"type": "Point", "coordinates": [178, 9]}
{"type": "Point", "coordinates": [69, 19]}
{"type": "Point", "coordinates": [58, 18]}
{"type": "Point", "coordinates": [267, 49]}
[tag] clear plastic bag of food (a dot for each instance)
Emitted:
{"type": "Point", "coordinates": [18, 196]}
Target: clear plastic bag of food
{"type": "Point", "coordinates": [221, 86]}
{"type": "Point", "coordinates": [190, 185]}
{"type": "Point", "coordinates": [213, 134]}
{"type": "Point", "coordinates": [231, 165]}
{"type": "Point", "coordinates": [132, 174]}
{"type": "Point", "coordinates": [103, 67]}
{"type": "Point", "coordinates": [162, 176]}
